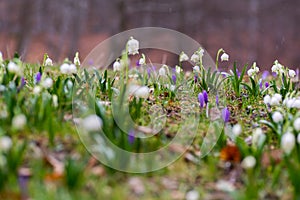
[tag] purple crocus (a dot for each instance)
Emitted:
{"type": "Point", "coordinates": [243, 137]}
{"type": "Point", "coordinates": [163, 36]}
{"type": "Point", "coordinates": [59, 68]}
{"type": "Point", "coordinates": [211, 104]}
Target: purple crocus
{"type": "Point", "coordinates": [266, 84]}
{"type": "Point", "coordinates": [260, 84]}
{"type": "Point", "coordinates": [131, 136]}
{"type": "Point", "coordinates": [37, 77]}
{"type": "Point", "coordinates": [265, 74]}
{"type": "Point", "coordinates": [174, 78]}
{"type": "Point", "coordinates": [201, 100]}
{"type": "Point", "coordinates": [195, 78]}
{"type": "Point", "coordinates": [149, 72]}
{"type": "Point", "coordinates": [217, 100]}
{"type": "Point", "coordinates": [225, 115]}
{"type": "Point", "coordinates": [205, 96]}
{"type": "Point", "coordinates": [138, 63]}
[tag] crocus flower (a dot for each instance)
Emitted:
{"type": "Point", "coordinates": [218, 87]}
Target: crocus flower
{"type": "Point", "coordinates": [217, 100]}
{"type": "Point", "coordinates": [201, 100]}
{"type": "Point", "coordinates": [149, 72]}
{"type": "Point", "coordinates": [174, 79]}
{"type": "Point", "coordinates": [205, 96]}
{"type": "Point", "coordinates": [267, 84]}
{"type": "Point", "coordinates": [225, 115]}
{"type": "Point", "coordinates": [265, 74]}
{"type": "Point", "coordinates": [195, 78]}
{"type": "Point", "coordinates": [131, 136]}
{"type": "Point", "coordinates": [37, 78]}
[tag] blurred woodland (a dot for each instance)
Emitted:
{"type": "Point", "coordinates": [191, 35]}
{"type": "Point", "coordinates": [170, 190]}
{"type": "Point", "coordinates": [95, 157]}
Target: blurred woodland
{"type": "Point", "coordinates": [252, 30]}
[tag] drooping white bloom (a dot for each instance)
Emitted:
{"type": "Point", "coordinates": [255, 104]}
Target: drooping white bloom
{"type": "Point", "coordinates": [68, 68]}
{"type": "Point", "coordinates": [195, 58]}
{"type": "Point", "coordinates": [267, 99]}
{"type": "Point", "coordinates": [192, 195]}
{"type": "Point", "coordinates": [237, 129]}
{"type": "Point", "coordinates": [278, 96]}
{"type": "Point", "coordinates": [19, 121]}
{"type": "Point", "coordinates": [132, 46]}
{"type": "Point", "coordinates": [76, 60]}
{"type": "Point", "coordinates": [251, 72]}
{"type": "Point", "coordinates": [172, 88]}
{"type": "Point", "coordinates": [288, 142]}
{"type": "Point", "coordinates": [277, 67]}
{"type": "Point", "coordinates": [117, 66]}
{"type": "Point", "coordinates": [183, 57]}
{"type": "Point", "coordinates": [297, 124]}
{"type": "Point", "coordinates": [37, 89]}
{"type": "Point", "coordinates": [277, 117]}
{"type": "Point", "coordinates": [5, 143]}
{"type": "Point", "coordinates": [292, 73]}
{"type": "Point", "coordinates": [224, 57]}
{"type": "Point", "coordinates": [13, 68]}
{"type": "Point", "coordinates": [296, 103]}
{"type": "Point", "coordinates": [178, 69]}
{"type": "Point", "coordinates": [248, 162]}
{"type": "Point", "coordinates": [47, 83]}
{"type": "Point", "coordinates": [276, 99]}
{"type": "Point", "coordinates": [92, 123]}
{"type": "Point", "coordinates": [48, 62]}
{"type": "Point", "coordinates": [142, 92]}
{"type": "Point", "coordinates": [162, 71]}
{"type": "Point", "coordinates": [196, 69]}
{"type": "Point", "coordinates": [142, 61]}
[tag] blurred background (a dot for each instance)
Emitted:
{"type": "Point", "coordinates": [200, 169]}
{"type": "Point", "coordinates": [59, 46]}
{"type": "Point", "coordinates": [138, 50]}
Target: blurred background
{"type": "Point", "coordinates": [249, 30]}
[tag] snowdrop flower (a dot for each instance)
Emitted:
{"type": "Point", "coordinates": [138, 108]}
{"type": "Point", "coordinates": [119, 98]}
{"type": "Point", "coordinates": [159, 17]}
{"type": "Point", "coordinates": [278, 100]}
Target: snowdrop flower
{"type": "Point", "coordinates": [277, 67]}
{"type": "Point", "coordinates": [196, 69]}
{"type": "Point", "coordinates": [117, 66]}
{"type": "Point", "coordinates": [92, 123]}
{"type": "Point", "coordinates": [48, 62]}
{"type": "Point", "coordinates": [195, 58]}
{"type": "Point", "coordinates": [183, 57]}
{"type": "Point", "coordinates": [192, 195]}
{"type": "Point", "coordinates": [19, 121]}
{"type": "Point", "coordinates": [1, 58]}
{"type": "Point", "coordinates": [47, 83]}
{"type": "Point", "coordinates": [162, 71]}
{"type": "Point", "coordinates": [68, 68]}
{"type": "Point", "coordinates": [178, 69]}
{"type": "Point", "coordinates": [142, 61]}
{"type": "Point", "coordinates": [132, 46]}
{"type": "Point", "coordinates": [258, 137]}
{"type": "Point", "coordinates": [288, 142]}
{"type": "Point", "coordinates": [276, 99]}
{"type": "Point", "coordinates": [296, 103]}
{"type": "Point", "coordinates": [5, 143]}
{"type": "Point", "coordinates": [277, 117]}
{"type": "Point", "coordinates": [292, 73]}
{"type": "Point", "coordinates": [76, 59]}
{"type": "Point", "coordinates": [172, 88]}
{"type": "Point", "coordinates": [297, 124]}
{"type": "Point", "coordinates": [249, 162]}
{"type": "Point", "coordinates": [13, 68]}
{"type": "Point", "coordinates": [142, 92]}
{"type": "Point", "coordinates": [237, 130]}
{"type": "Point", "coordinates": [37, 90]}
{"type": "Point", "coordinates": [289, 102]}
{"type": "Point", "coordinates": [131, 136]}
{"type": "Point", "coordinates": [224, 57]}
{"type": "Point", "coordinates": [267, 99]}
{"type": "Point", "coordinates": [251, 72]}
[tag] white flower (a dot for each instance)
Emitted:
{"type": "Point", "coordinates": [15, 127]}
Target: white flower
{"type": "Point", "coordinates": [183, 57]}
{"type": "Point", "coordinates": [296, 103]}
{"type": "Point", "coordinates": [5, 143]}
{"type": "Point", "coordinates": [117, 66]}
{"type": "Point", "coordinates": [225, 186]}
{"type": "Point", "coordinates": [192, 195]}
{"type": "Point", "coordinates": [277, 117]}
{"type": "Point", "coordinates": [92, 123]}
{"type": "Point", "coordinates": [19, 121]}
{"type": "Point", "coordinates": [248, 162]}
{"type": "Point", "coordinates": [172, 88]}
{"type": "Point", "coordinates": [289, 102]}
{"type": "Point", "coordinates": [1, 58]}
{"type": "Point", "coordinates": [276, 99]}
{"type": "Point", "coordinates": [55, 100]}
{"type": "Point", "coordinates": [292, 73]}
{"type": "Point", "coordinates": [251, 72]}
{"type": "Point", "coordinates": [277, 67]}
{"type": "Point", "coordinates": [47, 83]}
{"type": "Point", "coordinates": [76, 59]}
{"type": "Point", "coordinates": [162, 71]}
{"type": "Point", "coordinates": [142, 92]}
{"type": "Point", "coordinates": [298, 138]}
{"type": "Point", "coordinates": [267, 99]}
{"type": "Point", "coordinates": [178, 69]}
{"type": "Point", "coordinates": [48, 62]}
{"type": "Point", "coordinates": [132, 46]}
{"type": "Point", "coordinates": [37, 90]}
{"type": "Point", "coordinates": [68, 68]}
{"type": "Point", "coordinates": [297, 124]}
{"type": "Point", "coordinates": [195, 58]}
{"type": "Point", "coordinates": [237, 129]}
{"type": "Point", "coordinates": [13, 68]}
{"type": "Point", "coordinates": [201, 53]}
{"type": "Point", "coordinates": [142, 61]}
{"type": "Point", "coordinates": [224, 57]}
{"type": "Point", "coordinates": [288, 142]}
{"type": "Point", "coordinates": [196, 69]}
{"type": "Point", "coordinates": [278, 96]}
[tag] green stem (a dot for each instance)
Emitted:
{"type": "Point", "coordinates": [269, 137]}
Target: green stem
{"type": "Point", "coordinates": [217, 58]}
